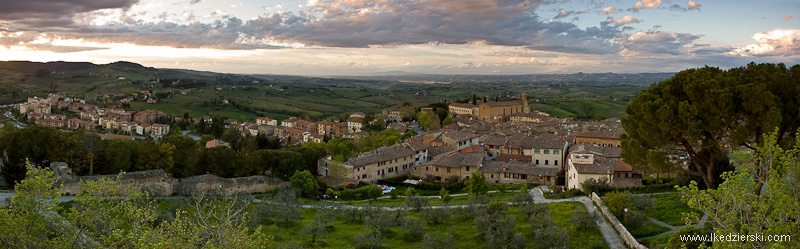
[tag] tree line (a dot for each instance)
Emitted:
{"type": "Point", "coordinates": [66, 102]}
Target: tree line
{"type": "Point", "coordinates": [87, 154]}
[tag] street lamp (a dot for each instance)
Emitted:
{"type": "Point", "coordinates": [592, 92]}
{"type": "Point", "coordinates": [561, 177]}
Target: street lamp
{"type": "Point", "coordinates": [626, 217]}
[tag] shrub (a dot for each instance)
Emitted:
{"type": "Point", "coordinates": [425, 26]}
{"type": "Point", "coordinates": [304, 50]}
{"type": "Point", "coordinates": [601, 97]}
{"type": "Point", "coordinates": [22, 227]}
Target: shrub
{"type": "Point", "coordinates": [413, 228]}
{"type": "Point", "coordinates": [582, 219]}
{"type": "Point", "coordinates": [416, 202]}
{"type": "Point", "coordinates": [618, 201]}
{"type": "Point", "coordinates": [554, 237]}
{"type": "Point", "coordinates": [439, 241]}
{"type": "Point", "coordinates": [436, 215]}
{"type": "Point", "coordinates": [642, 202]}
{"type": "Point", "coordinates": [380, 221]}
{"type": "Point", "coordinates": [369, 239]}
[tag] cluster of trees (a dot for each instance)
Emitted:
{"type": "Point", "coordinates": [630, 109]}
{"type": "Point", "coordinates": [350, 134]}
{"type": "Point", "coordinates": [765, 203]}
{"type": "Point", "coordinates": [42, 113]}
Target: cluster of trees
{"type": "Point", "coordinates": [178, 155]}
{"type": "Point", "coordinates": [702, 112]}
{"type": "Point", "coordinates": [107, 215]}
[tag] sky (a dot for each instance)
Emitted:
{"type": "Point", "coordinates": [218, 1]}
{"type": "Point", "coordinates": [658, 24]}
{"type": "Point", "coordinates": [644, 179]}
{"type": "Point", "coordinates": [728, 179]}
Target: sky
{"type": "Point", "coordinates": [367, 37]}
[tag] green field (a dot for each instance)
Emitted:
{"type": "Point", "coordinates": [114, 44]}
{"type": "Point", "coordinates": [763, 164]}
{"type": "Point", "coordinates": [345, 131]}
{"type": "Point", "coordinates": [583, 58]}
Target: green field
{"type": "Point", "coordinates": [341, 234]}
{"type": "Point", "coordinates": [280, 97]}
{"type": "Point", "coordinates": [669, 209]}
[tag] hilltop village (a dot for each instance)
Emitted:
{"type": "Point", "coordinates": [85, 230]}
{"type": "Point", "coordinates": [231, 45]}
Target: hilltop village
{"type": "Point", "coordinates": [505, 140]}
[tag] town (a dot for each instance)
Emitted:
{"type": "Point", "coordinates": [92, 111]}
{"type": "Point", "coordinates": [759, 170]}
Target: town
{"type": "Point", "coordinates": [505, 140]}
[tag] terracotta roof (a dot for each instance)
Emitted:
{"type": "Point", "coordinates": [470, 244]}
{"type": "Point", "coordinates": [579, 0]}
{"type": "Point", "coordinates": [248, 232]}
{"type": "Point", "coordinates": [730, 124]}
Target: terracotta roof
{"type": "Point", "coordinates": [502, 103]}
{"type": "Point", "coordinates": [512, 157]}
{"type": "Point", "coordinates": [457, 160]}
{"type": "Point", "coordinates": [600, 134]}
{"type": "Point", "coordinates": [620, 166]}
{"type": "Point", "coordinates": [518, 168]}
{"type": "Point", "coordinates": [436, 151]}
{"type": "Point", "coordinates": [495, 140]}
{"type": "Point", "coordinates": [625, 183]}
{"type": "Point", "coordinates": [600, 166]}
{"type": "Point", "coordinates": [110, 136]}
{"type": "Point", "coordinates": [416, 144]}
{"type": "Point", "coordinates": [216, 143]}
{"type": "Point", "coordinates": [459, 136]}
{"type": "Point", "coordinates": [381, 154]}
{"type": "Point", "coordinates": [463, 105]}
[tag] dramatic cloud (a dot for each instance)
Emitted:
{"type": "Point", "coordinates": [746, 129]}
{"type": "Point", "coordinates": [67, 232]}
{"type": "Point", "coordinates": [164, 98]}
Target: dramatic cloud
{"type": "Point", "coordinates": [788, 17]}
{"type": "Point", "coordinates": [619, 22]}
{"type": "Point", "coordinates": [563, 13]}
{"type": "Point", "coordinates": [656, 42]}
{"type": "Point", "coordinates": [778, 42]}
{"type": "Point", "coordinates": [646, 4]}
{"type": "Point", "coordinates": [694, 5]}
{"type": "Point", "coordinates": [53, 13]}
{"type": "Point", "coordinates": [608, 10]}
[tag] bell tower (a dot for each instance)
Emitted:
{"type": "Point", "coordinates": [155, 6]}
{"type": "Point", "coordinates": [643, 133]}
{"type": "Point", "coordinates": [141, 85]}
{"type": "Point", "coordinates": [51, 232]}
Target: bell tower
{"type": "Point", "coordinates": [525, 108]}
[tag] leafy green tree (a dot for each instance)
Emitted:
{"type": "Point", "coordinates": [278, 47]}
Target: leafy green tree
{"type": "Point", "coordinates": [582, 219]}
{"type": "Point", "coordinates": [409, 133]}
{"type": "Point", "coordinates": [413, 228]}
{"type": "Point", "coordinates": [204, 139]}
{"type": "Point", "coordinates": [305, 182]}
{"type": "Point", "coordinates": [701, 111]}
{"type": "Point", "coordinates": [286, 207]}
{"type": "Point", "coordinates": [185, 156]}
{"type": "Point", "coordinates": [369, 239]}
{"type": "Point", "coordinates": [220, 161]}
{"type": "Point", "coordinates": [428, 121]}
{"type": "Point", "coordinates": [26, 223]}
{"type": "Point", "coordinates": [741, 206]}
{"type": "Point", "coordinates": [154, 155]}
{"type": "Point", "coordinates": [618, 201]}
{"type": "Point", "coordinates": [447, 121]}
{"type": "Point", "coordinates": [373, 191]}
{"type": "Point", "coordinates": [445, 196]}
{"type": "Point", "coordinates": [476, 185]}
{"type": "Point", "coordinates": [439, 241]}
{"type": "Point", "coordinates": [119, 155]}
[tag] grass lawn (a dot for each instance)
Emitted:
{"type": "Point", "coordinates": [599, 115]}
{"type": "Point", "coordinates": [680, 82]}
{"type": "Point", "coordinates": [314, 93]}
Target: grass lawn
{"type": "Point", "coordinates": [647, 229]}
{"type": "Point", "coordinates": [660, 241]}
{"type": "Point", "coordinates": [341, 233]}
{"type": "Point", "coordinates": [457, 200]}
{"type": "Point", "coordinates": [578, 238]}
{"type": "Point", "coordinates": [669, 209]}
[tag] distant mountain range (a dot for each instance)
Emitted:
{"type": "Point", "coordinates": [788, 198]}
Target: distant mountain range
{"type": "Point", "coordinates": [27, 67]}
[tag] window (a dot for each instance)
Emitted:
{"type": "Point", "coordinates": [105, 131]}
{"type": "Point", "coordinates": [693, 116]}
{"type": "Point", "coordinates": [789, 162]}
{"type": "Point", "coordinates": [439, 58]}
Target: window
{"type": "Point", "coordinates": [555, 152]}
{"type": "Point", "coordinates": [426, 168]}
{"type": "Point", "coordinates": [390, 170]}
{"type": "Point", "coordinates": [437, 169]}
{"type": "Point", "coordinates": [448, 170]}
{"type": "Point", "coordinates": [379, 172]}
{"type": "Point", "coordinates": [546, 152]}
{"type": "Point", "coordinates": [364, 176]}
{"type": "Point", "coordinates": [537, 161]}
{"type": "Point", "coordinates": [555, 162]}
{"type": "Point", "coordinates": [536, 151]}
{"type": "Point", "coordinates": [492, 175]}
{"type": "Point", "coordinates": [467, 168]}
{"type": "Point", "coordinates": [546, 162]}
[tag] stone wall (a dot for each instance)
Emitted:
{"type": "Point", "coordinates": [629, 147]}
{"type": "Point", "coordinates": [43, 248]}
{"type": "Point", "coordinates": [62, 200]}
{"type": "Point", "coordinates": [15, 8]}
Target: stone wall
{"type": "Point", "coordinates": [158, 183]}
{"type": "Point", "coordinates": [623, 232]}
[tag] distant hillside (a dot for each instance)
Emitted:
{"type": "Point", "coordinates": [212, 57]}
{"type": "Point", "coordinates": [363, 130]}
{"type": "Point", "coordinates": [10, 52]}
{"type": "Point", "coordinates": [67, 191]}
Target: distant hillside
{"type": "Point", "coordinates": [243, 97]}
{"type": "Point", "coordinates": [588, 78]}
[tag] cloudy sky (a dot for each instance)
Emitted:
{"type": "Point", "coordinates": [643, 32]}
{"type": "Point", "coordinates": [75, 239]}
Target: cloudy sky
{"type": "Point", "coordinates": [355, 37]}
